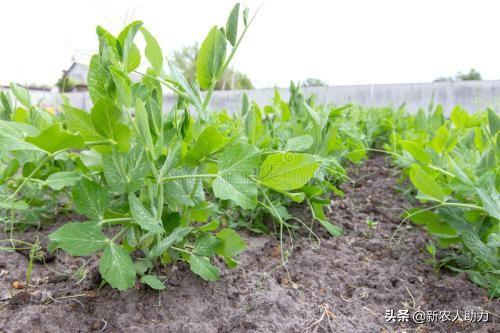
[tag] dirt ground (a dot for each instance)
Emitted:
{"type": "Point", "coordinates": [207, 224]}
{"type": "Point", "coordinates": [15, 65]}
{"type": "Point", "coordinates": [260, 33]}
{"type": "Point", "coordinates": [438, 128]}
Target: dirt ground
{"type": "Point", "coordinates": [345, 285]}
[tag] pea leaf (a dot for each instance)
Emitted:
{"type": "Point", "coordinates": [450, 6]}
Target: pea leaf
{"type": "Point", "coordinates": [54, 138]}
{"type": "Point", "coordinates": [493, 122]}
{"type": "Point", "coordinates": [153, 51]}
{"type": "Point", "coordinates": [209, 142]}
{"type": "Point", "coordinates": [135, 165]}
{"type": "Point", "coordinates": [211, 58]}
{"type": "Point", "coordinates": [206, 245]}
{"type": "Point", "coordinates": [425, 184]}
{"type": "Point", "coordinates": [60, 180]}
{"type": "Point", "coordinates": [12, 136]}
{"type": "Point", "coordinates": [416, 151]}
{"type": "Point", "coordinates": [232, 25]}
{"type": "Point", "coordinates": [141, 118]}
{"type": "Point", "coordinates": [22, 95]}
{"type": "Point", "coordinates": [287, 171]}
{"type": "Point", "coordinates": [106, 119]}
{"type": "Point", "coordinates": [459, 117]}
{"type": "Point", "coordinates": [320, 216]}
{"type": "Point", "coordinates": [117, 268]}
{"type": "Point", "coordinates": [122, 83]}
{"type": "Point", "coordinates": [177, 235]}
{"type": "Point", "coordinates": [203, 267]}
{"type": "Point", "coordinates": [14, 205]}
{"type": "Point", "coordinates": [153, 282]}
{"type": "Point", "coordinates": [79, 238]}
{"type": "Point", "coordinates": [230, 245]}
{"type": "Point", "coordinates": [491, 201]}
{"type": "Point", "coordinates": [299, 143]}
{"type": "Point", "coordinates": [236, 164]}
{"type": "Point", "coordinates": [78, 121]}
{"type": "Point", "coordinates": [97, 79]}
{"type": "Point", "coordinates": [130, 53]}
{"type": "Point", "coordinates": [90, 199]}
{"type": "Point", "coordinates": [142, 216]}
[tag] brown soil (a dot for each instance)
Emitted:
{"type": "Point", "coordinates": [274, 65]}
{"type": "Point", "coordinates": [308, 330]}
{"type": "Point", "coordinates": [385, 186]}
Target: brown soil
{"type": "Point", "coordinates": [345, 285]}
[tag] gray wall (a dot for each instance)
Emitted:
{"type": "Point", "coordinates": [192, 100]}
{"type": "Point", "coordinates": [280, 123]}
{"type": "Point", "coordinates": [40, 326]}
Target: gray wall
{"type": "Point", "coordinates": [472, 95]}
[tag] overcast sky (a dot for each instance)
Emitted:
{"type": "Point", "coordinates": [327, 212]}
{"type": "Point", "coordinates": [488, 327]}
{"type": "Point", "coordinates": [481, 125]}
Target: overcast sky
{"type": "Point", "coordinates": [341, 42]}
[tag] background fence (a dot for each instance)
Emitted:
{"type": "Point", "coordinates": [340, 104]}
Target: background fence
{"type": "Point", "coordinates": [472, 95]}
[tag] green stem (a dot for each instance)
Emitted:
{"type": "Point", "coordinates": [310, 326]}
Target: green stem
{"type": "Point", "coordinates": [100, 142]}
{"type": "Point", "coordinates": [115, 220]}
{"type": "Point", "coordinates": [119, 233]}
{"type": "Point", "coordinates": [208, 175]}
{"type": "Point", "coordinates": [180, 250]}
{"type": "Point", "coordinates": [457, 204]}
{"type": "Point", "coordinates": [208, 96]}
{"type": "Point", "coordinates": [40, 164]}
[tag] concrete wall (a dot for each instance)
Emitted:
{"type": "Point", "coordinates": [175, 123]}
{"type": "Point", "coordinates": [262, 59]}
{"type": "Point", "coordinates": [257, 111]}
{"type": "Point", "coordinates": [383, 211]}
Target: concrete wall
{"type": "Point", "coordinates": [472, 95]}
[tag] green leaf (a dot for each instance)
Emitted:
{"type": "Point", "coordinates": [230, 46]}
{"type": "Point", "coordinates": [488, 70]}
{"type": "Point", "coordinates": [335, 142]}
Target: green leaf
{"type": "Point", "coordinates": [142, 216]}
{"type": "Point", "coordinates": [97, 79]}
{"type": "Point", "coordinates": [299, 143]}
{"type": "Point", "coordinates": [117, 268]}
{"type": "Point", "coordinates": [54, 139]}
{"type": "Point", "coordinates": [135, 166]}
{"type": "Point", "coordinates": [130, 53]}
{"type": "Point", "coordinates": [106, 119]}
{"type": "Point", "coordinates": [236, 164]}
{"type": "Point", "coordinates": [14, 205]}
{"type": "Point", "coordinates": [78, 121]}
{"type": "Point", "coordinates": [12, 136]}
{"type": "Point", "coordinates": [153, 282]}
{"type": "Point", "coordinates": [79, 238]}
{"type": "Point", "coordinates": [491, 201]}
{"type": "Point", "coordinates": [203, 267]}
{"type": "Point", "coordinates": [320, 216]}
{"type": "Point", "coordinates": [177, 235]}
{"type": "Point", "coordinates": [232, 25]}
{"type": "Point", "coordinates": [493, 122]}
{"type": "Point", "coordinates": [425, 184]}
{"type": "Point", "coordinates": [141, 118]}
{"type": "Point", "coordinates": [123, 85]}
{"type": "Point", "coordinates": [60, 180]}
{"type": "Point", "coordinates": [153, 51]}
{"type": "Point", "coordinates": [421, 217]}
{"type": "Point", "coordinates": [201, 212]}
{"type": "Point", "coordinates": [209, 142]}
{"type": "Point", "coordinates": [206, 245]}
{"type": "Point", "coordinates": [211, 58]}
{"type": "Point", "coordinates": [459, 117]}
{"type": "Point", "coordinates": [230, 245]}
{"type": "Point", "coordinates": [22, 95]}
{"type": "Point", "coordinates": [416, 151]}
{"type": "Point", "coordinates": [90, 199]}
{"type": "Point", "coordinates": [287, 171]}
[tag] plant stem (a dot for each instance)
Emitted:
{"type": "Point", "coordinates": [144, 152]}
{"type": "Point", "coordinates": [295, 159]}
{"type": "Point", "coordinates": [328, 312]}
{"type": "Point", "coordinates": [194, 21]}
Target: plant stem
{"type": "Point", "coordinates": [207, 175]}
{"type": "Point", "coordinates": [40, 164]}
{"type": "Point", "coordinates": [180, 250]}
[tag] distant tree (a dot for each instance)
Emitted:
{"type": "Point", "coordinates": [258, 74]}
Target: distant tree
{"type": "Point", "coordinates": [65, 84]}
{"type": "Point", "coordinates": [473, 75]}
{"type": "Point", "coordinates": [312, 82]}
{"type": "Point", "coordinates": [185, 60]}
{"type": "Point", "coordinates": [444, 79]}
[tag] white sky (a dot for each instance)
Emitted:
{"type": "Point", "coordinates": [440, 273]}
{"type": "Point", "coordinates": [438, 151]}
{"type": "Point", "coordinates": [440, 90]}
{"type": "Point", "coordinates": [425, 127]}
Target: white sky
{"type": "Point", "coordinates": [341, 42]}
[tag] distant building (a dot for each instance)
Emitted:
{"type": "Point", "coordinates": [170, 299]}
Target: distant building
{"type": "Point", "coordinates": [75, 78]}
{"type": "Point", "coordinates": [78, 73]}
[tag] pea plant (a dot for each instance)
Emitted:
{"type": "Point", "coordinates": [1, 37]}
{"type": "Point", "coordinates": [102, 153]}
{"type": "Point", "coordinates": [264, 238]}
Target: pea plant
{"type": "Point", "coordinates": [159, 186]}
{"type": "Point", "coordinates": [453, 166]}
{"type": "Point", "coordinates": [30, 185]}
